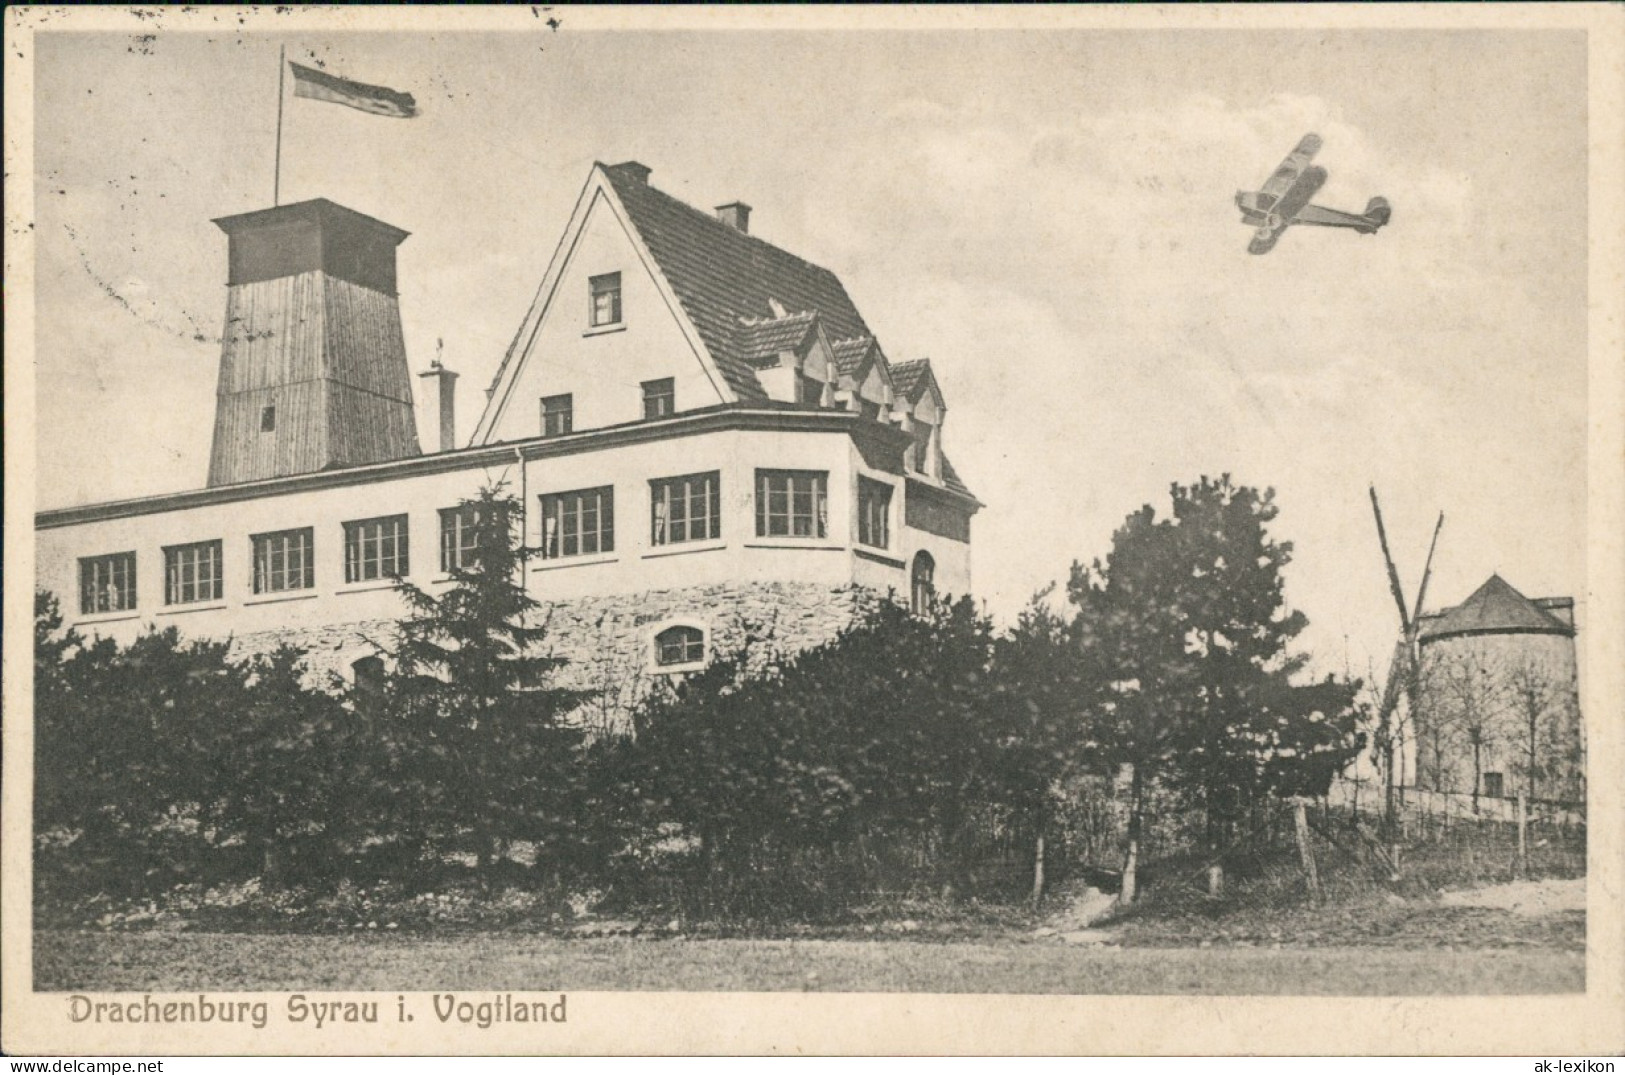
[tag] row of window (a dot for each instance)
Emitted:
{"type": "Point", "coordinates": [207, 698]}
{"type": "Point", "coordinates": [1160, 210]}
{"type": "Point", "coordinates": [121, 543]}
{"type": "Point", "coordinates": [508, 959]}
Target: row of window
{"type": "Point", "coordinates": [660, 400]}
{"type": "Point", "coordinates": [789, 503]}
{"type": "Point", "coordinates": [581, 522]}
{"type": "Point", "coordinates": [283, 560]}
{"type": "Point", "coordinates": [558, 412]}
{"type": "Point", "coordinates": [659, 397]}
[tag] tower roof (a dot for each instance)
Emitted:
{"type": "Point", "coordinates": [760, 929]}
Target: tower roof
{"type": "Point", "coordinates": [1493, 608]}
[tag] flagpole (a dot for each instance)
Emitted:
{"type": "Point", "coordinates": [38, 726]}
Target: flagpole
{"type": "Point", "coordinates": [281, 74]}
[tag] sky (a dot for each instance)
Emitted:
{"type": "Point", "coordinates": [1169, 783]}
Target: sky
{"type": "Point", "coordinates": [1047, 214]}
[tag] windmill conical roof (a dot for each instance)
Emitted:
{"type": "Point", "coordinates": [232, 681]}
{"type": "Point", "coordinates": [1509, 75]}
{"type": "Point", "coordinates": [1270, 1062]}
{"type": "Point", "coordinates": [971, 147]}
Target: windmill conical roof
{"type": "Point", "coordinates": [1494, 608]}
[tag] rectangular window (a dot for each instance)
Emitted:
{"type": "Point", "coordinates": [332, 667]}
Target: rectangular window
{"type": "Point", "coordinates": [193, 573]}
{"type": "Point", "coordinates": [285, 560]}
{"type": "Point", "coordinates": [375, 549]}
{"type": "Point", "coordinates": [687, 508]}
{"type": "Point", "coordinates": [1494, 785]}
{"type": "Point", "coordinates": [107, 583]}
{"type": "Point", "coordinates": [659, 398]}
{"type": "Point", "coordinates": [578, 523]}
{"type": "Point", "coordinates": [874, 512]}
{"type": "Point", "coordinates": [606, 299]}
{"type": "Point", "coordinates": [558, 415]}
{"type": "Point", "coordinates": [459, 537]}
{"type": "Point", "coordinates": [791, 503]}
{"type": "Point", "coordinates": [268, 419]}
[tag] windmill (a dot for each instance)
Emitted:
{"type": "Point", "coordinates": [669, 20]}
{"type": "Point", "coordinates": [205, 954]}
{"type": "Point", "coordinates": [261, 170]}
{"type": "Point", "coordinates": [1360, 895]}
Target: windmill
{"type": "Point", "coordinates": [1405, 671]}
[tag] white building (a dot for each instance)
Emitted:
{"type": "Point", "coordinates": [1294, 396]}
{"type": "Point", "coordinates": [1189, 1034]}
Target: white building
{"type": "Point", "coordinates": [706, 438]}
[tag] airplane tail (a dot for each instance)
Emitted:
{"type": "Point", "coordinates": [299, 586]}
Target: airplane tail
{"type": "Point", "coordinates": [1377, 211]}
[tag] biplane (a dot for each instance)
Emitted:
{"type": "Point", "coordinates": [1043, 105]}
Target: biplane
{"type": "Point", "coordinates": [1284, 201]}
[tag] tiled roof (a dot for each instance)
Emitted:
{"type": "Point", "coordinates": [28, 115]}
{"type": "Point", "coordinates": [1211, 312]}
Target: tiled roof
{"type": "Point", "coordinates": [850, 354]}
{"type": "Point", "coordinates": [759, 340]}
{"type": "Point", "coordinates": [1494, 608]}
{"type": "Point", "coordinates": [950, 477]}
{"type": "Point", "coordinates": [908, 377]}
{"type": "Point", "coordinates": [723, 276]}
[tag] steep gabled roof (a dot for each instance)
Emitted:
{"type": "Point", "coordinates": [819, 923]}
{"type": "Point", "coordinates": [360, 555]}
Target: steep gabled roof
{"type": "Point", "coordinates": [762, 339]}
{"type": "Point", "coordinates": [724, 277]}
{"type": "Point", "coordinates": [912, 378]}
{"type": "Point", "coordinates": [850, 355]}
{"type": "Point", "coordinates": [1494, 608]}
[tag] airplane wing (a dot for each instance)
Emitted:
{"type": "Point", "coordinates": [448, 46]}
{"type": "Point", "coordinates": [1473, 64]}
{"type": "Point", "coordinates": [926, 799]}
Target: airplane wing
{"type": "Point", "coordinates": [1296, 161]}
{"type": "Point", "coordinates": [1330, 218]}
{"type": "Point", "coordinates": [1265, 238]}
{"type": "Point", "coordinates": [1377, 213]}
{"type": "Point", "coordinates": [1284, 213]}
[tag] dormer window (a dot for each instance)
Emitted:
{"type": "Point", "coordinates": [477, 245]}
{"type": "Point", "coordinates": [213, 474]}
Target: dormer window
{"type": "Point", "coordinates": [606, 299]}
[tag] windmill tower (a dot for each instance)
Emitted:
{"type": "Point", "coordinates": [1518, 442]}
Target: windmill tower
{"type": "Point", "coordinates": [1405, 670]}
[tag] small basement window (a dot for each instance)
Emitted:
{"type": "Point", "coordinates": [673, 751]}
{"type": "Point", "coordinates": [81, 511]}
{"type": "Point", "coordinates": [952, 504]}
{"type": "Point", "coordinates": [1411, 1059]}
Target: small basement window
{"type": "Point", "coordinates": [368, 673]}
{"type": "Point", "coordinates": [681, 644]}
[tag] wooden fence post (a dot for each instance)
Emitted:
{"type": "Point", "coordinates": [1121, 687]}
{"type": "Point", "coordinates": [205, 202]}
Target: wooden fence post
{"type": "Point", "coordinates": [1300, 823]}
{"type": "Point", "coordinates": [1038, 872]}
{"type": "Point", "coordinates": [1523, 835]}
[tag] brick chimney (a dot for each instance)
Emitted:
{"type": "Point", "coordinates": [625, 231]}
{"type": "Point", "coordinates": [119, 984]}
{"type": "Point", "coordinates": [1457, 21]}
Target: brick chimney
{"type": "Point", "coordinates": [736, 215]}
{"type": "Point", "coordinates": [313, 370]}
{"type": "Point", "coordinates": [440, 398]}
{"type": "Point", "coordinates": [636, 172]}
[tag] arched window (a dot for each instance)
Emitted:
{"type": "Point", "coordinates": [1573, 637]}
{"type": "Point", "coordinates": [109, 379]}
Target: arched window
{"type": "Point", "coordinates": [921, 579]}
{"type": "Point", "coordinates": [681, 644]}
{"type": "Point", "coordinates": [369, 674]}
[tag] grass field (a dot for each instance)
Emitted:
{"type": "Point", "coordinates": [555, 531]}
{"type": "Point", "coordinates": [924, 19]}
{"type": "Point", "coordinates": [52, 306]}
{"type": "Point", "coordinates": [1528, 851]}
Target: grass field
{"type": "Point", "coordinates": [96, 961]}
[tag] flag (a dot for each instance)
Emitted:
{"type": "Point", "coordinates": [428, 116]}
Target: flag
{"type": "Point", "coordinates": [379, 100]}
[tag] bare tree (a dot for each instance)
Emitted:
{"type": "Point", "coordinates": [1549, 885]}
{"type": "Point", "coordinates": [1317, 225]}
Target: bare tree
{"type": "Point", "coordinates": [1464, 694]}
{"type": "Point", "coordinates": [1536, 697]}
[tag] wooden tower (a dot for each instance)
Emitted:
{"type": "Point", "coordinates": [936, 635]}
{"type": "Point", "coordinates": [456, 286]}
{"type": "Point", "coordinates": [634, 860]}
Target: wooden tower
{"type": "Point", "coordinates": [313, 370]}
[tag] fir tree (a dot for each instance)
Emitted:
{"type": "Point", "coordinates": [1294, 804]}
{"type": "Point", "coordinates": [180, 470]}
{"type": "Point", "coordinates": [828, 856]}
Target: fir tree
{"type": "Point", "coordinates": [1186, 627]}
{"type": "Point", "coordinates": [483, 753]}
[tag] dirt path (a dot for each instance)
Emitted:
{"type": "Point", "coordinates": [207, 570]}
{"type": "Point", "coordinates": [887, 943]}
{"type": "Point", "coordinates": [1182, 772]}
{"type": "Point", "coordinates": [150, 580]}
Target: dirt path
{"type": "Point", "coordinates": [1524, 897]}
{"type": "Point", "coordinates": [113, 961]}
